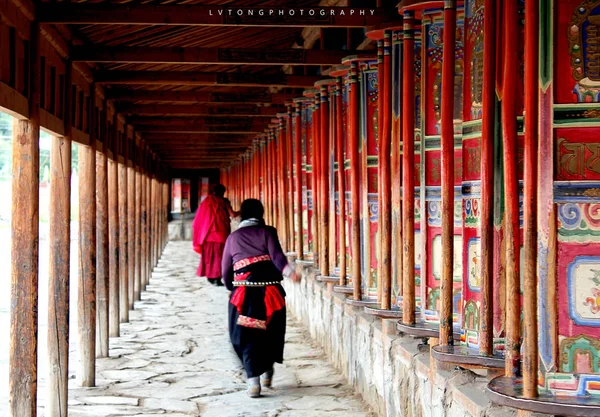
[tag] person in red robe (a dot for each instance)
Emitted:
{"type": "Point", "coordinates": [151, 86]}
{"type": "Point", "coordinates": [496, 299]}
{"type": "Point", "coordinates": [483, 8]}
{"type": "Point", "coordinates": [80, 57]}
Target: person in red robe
{"type": "Point", "coordinates": [212, 226]}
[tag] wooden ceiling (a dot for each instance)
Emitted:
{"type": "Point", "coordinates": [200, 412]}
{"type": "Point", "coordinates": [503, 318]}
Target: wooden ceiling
{"type": "Point", "coordinates": [199, 89]}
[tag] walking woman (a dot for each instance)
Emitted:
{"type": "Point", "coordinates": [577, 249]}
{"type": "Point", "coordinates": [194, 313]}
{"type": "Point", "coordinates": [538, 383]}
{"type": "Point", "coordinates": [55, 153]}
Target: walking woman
{"type": "Point", "coordinates": [253, 267]}
{"type": "Point", "coordinates": [211, 227]}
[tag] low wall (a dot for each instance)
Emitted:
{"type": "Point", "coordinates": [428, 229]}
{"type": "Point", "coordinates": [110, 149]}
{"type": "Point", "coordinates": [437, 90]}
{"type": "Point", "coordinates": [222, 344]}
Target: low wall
{"type": "Point", "coordinates": [393, 373]}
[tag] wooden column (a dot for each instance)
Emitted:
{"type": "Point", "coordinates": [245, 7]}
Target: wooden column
{"type": "Point", "coordinates": [353, 138]}
{"type": "Point", "coordinates": [298, 139]}
{"type": "Point", "coordinates": [385, 202]}
{"type": "Point", "coordinates": [123, 244]}
{"type": "Point", "coordinates": [149, 220]}
{"type": "Point", "coordinates": [158, 221]}
{"type": "Point", "coordinates": [324, 180]}
{"type": "Point", "coordinates": [283, 182]}
{"type": "Point", "coordinates": [156, 201]}
{"type": "Point", "coordinates": [143, 222]}
{"type": "Point", "coordinates": [408, 179]}
{"type": "Point", "coordinates": [24, 248]}
{"type": "Point", "coordinates": [289, 167]}
{"type": "Point", "coordinates": [113, 243]}
{"type": "Point", "coordinates": [131, 245]}
{"type": "Point", "coordinates": [137, 284]}
{"type": "Point", "coordinates": [379, 135]}
{"type": "Point", "coordinates": [58, 276]}
{"type": "Point", "coordinates": [396, 167]}
{"type": "Point", "coordinates": [86, 300]}
{"type": "Point", "coordinates": [511, 191]}
{"type": "Point", "coordinates": [102, 247]}
{"type": "Point", "coordinates": [447, 153]}
{"type": "Point", "coordinates": [486, 333]}
{"type": "Point", "coordinates": [316, 172]}
{"type": "Point", "coordinates": [341, 177]}
{"type": "Point", "coordinates": [267, 152]}
{"type": "Point", "coordinates": [530, 351]}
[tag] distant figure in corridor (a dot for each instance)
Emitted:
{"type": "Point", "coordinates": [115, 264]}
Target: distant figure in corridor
{"type": "Point", "coordinates": [253, 267]}
{"type": "Point", "coordinates": [211, 226]}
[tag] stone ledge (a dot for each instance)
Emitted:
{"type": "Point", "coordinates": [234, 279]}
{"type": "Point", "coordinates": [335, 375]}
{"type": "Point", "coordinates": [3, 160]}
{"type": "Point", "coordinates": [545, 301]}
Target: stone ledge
{"type": "Point", "coordinates": [390, 371]}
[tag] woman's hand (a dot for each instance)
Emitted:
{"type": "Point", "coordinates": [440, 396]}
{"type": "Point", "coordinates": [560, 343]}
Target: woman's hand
{"type": "Point", "coordinates": [295, 277]}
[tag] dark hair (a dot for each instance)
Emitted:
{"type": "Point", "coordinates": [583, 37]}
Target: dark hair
{"type": "Point", "coordinates": [219, 190]}
{"type": "Point", "coordinates": [252, 209]}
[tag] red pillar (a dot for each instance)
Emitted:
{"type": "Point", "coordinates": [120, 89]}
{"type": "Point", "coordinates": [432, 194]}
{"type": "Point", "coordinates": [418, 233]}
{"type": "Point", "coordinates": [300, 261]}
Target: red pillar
{"type": "Point", "coordinates": [447, 127]}
{"type": "Point", "coordinates": [353, 138]}
{"type": "Point", "coordinates": [385, 186]}
{"type": "Point", "coordinates": [509, 127]}
{"type": "Point", "coordinates": [408, 179]}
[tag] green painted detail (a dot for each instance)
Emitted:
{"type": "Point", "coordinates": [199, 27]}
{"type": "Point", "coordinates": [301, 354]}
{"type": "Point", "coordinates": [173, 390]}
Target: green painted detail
{"type": "Point", "coordinates": [545, 43]}
{"type": "Point", "coordinates": [570, 348]}
{"type": "Point", "coordinates": [471, 314]}
{"type": "Point", "coordinates": [308, 168]}
{"type": "Point", "coordinates": [498, 168]}
{"type": "Point", "coordinates": [346, 164]}
{"type": "Point", "coordinates": [576, 115]}
{"type": "Point", "coordinates": [432, 297]}
{"type": "Point", "coordinates": [471, 222]}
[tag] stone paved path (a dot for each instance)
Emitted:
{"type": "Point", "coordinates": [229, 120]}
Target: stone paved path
{"type": "Point", "coordinates": [174, 358]}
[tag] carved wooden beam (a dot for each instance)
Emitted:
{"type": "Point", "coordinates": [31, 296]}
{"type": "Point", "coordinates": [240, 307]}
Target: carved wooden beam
{"type": "Point", "coordinates": [209, 97]}
{"type": "Point", "coordinates": [201, 128]}
{"type": "Point", "coordinates": [193, 137]}
{"type": "Point", "coordinates": [198, 15]}
{"type": "Point", "coordinates": [194, 110]}
{"type": "Point", "coordinates": [226, 56]}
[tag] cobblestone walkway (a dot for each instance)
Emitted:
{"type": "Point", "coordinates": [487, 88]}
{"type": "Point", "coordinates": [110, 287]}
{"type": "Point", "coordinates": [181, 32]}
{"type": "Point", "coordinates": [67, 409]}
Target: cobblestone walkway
{"type": "Point", "coordinates": [174, 358]}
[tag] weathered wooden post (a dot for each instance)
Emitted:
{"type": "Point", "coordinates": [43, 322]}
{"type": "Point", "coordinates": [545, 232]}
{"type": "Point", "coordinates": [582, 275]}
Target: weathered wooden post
{"type": "Point", "coordinates": [113, 237]}
{"type": "Point", "coordinates": [486, 334]}
{"type": "Point", "coordinates": [385, 201]}
{"type": "Point", "coordinates": [353, 139]}
{"type": "Point", "coordinates": [137, 284]}
{"type": "Point", "coordinates": [380, 132]}
{"type": "Point", "coordinates": [530, 325]}
{"type": "Point", "coordinates": [147, 259]}
{"type": "Point", "coordinates": [150, 203]}
{"type": "Point", "coordinates": [289, 167]}
{"type": "Point", "coordinates": [131, 245]}
{"type": "Point", "coordinates": [123, 235]}
{"type": "Point", "coordinates": [340, 139]}
{"type": "Point", "coordinates": [143, 219]}
{"type": "Point", "coordinates": [408, 179]}
{"type": "Point", "coordinates": [511, 191]}
{"type": "Point", "coordinates": [324, 173]}
{"type": "Point", "coordinates": [86, 300]}
{"type": "Point", "coordinates": [102, 245]}
{"type": "Point", "coordinates": [24, 247]}
{"type": "Point", "coordinates": [59, 272]}
{"type": "Point", "coordinates": [447, 156]}
{"type": "Point", "coordinates": [298, 143]}
{"type": "Point", "coordinates": [315, 155]}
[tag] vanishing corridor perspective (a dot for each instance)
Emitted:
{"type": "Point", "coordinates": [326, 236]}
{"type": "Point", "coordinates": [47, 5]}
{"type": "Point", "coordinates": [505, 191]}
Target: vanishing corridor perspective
{"type": "Point", "coordinates": [432, 169]}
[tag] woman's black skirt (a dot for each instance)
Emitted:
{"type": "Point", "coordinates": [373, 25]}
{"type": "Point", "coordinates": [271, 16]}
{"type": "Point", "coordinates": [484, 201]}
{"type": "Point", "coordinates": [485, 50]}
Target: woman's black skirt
{"type": "Point", "coordinates": [257, 348]}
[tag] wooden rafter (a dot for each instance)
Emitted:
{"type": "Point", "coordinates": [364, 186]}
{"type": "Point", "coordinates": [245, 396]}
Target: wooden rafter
{"type": "Point", "coordinates": [194, 110]}
{"type": "Point", "coordinates": [199, 15]}
{"type": "Point", "coordinates": [204, 79]}
{"type": "Point", "coordinates": [226, 56]}
{"type": "Point", "coordinates": [203, 96]}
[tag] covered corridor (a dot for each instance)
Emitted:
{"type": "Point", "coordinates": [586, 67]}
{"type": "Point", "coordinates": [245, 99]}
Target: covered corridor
{"type": "Point", "coordinates": [173, 358]}
{"type": "Point", "coordinates": [432, 168]}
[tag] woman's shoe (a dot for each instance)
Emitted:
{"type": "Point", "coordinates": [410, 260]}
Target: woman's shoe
{"type": "Point", "coordinates": [266, 379]}
{"type": "Point", "coordinates": [253, 387]}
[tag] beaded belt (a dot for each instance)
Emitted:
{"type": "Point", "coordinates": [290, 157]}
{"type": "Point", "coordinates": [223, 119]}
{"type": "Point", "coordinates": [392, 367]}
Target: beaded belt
{"type": "Point", "coordinates": [254, 284]}
{"type": "Point", "coordinates": [249, 261]}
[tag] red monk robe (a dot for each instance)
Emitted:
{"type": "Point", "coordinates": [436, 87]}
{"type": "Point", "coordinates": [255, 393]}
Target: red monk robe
{"type": "Point", "coordinates": [211, 227]}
